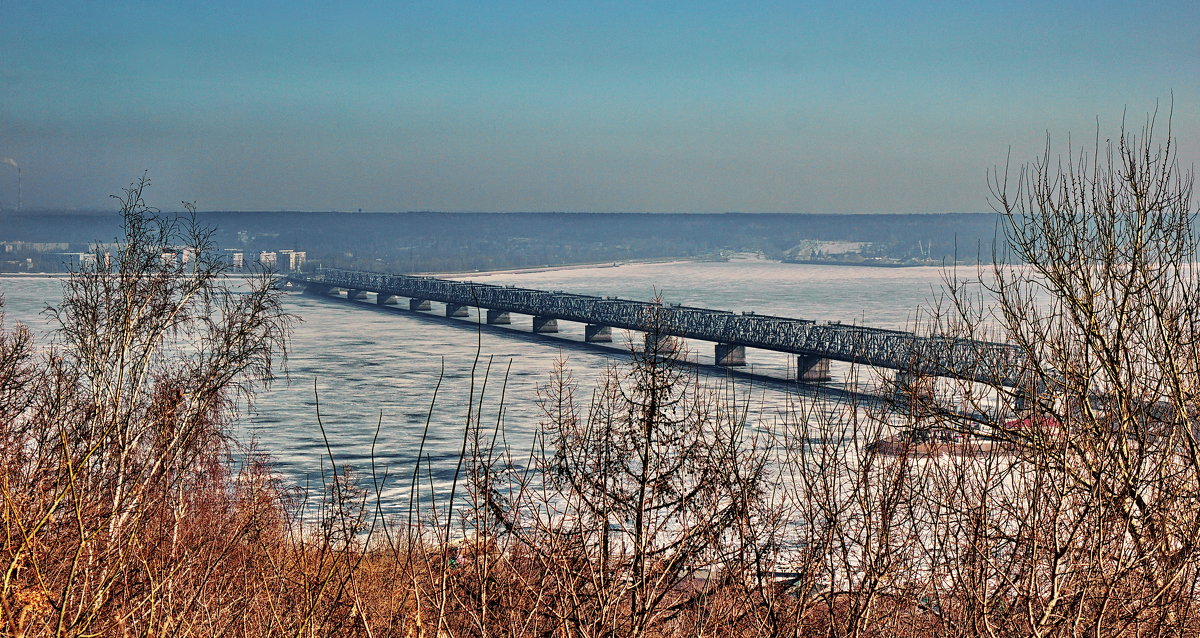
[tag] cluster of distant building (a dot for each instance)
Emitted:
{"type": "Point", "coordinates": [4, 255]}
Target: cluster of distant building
{"type": "Point", "coordinates": [17, 256]}
{"type": "Point", "coordinates": [281, 260]}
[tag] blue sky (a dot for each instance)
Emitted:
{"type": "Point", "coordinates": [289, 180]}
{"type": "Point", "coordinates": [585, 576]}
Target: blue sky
{"type": "Point", "coordinates": [552, 106]}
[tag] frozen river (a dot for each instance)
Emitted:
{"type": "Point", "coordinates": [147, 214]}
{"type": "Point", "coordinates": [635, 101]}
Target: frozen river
{"type": "Point", "coordinates": [372, 367]}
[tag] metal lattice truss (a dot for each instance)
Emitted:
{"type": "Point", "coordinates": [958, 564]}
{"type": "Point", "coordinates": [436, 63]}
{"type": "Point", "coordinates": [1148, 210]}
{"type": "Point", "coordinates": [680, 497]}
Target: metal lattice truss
{"type": "Point", "coordinates": [970, 359]}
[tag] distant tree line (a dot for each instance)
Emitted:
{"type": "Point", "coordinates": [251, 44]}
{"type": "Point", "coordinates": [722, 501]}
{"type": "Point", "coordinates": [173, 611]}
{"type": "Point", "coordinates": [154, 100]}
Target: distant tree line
{"type": "Point", "coordinates": [431, 242]}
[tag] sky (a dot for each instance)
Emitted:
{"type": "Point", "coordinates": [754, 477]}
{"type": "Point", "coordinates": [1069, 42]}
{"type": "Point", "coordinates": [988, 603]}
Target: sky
{"type": "Point", "coordinates": [572, 106]}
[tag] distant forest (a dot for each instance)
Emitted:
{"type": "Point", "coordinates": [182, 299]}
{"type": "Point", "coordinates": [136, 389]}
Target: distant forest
{"type": "Point", "coordinates": [442, 242]}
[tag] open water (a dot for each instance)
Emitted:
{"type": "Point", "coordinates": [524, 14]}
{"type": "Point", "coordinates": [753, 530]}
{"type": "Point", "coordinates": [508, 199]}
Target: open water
{"type": "Point", "coordinates": [370, 368]}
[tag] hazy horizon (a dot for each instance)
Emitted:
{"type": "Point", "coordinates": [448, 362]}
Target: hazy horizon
{"type": "Point", "coordinates": [179, 209]}
{"type": "Point", "coordinates": [703, 107]}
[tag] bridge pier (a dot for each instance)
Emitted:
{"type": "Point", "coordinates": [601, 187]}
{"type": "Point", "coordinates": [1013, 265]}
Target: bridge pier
{"type": "Point", "coordinates": [595, 333]}
{"type": "Point", "coordinates": [498, 317]}
{"type": "Point", "coordinates": [545, 324]}
{"type": "Point", "coordinates": [812, 369]}
{"type": "Point", "coordinates": [916, 392]}
{"type": "Point", "coordinates": [419, 304]}
{"type": "Point", "coordinates": [1028, 393]}
{"type": "Point", "coordinates": [912, 386]}
{"type": "Point", "coordinates": [456, 310]}
{"type": "Point", "coordinates": [318, 289]}
{"type": "Point", "coordinates": [352, 293]}
{"type": "Point", "coordinates": [661, 345]}
{"type": "Point", "coordinates": [730, 355]}
{"type": "Point", "coordinates": [383, 300]}
{"type": "Point", "coordinates": [1022, 402]}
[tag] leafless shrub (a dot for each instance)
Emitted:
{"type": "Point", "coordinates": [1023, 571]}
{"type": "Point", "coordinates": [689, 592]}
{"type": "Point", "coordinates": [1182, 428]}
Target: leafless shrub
{"type": "Point", "coordinates": [115, 448]}
{"type": "Point", "coordinates": [637, 498]}
{"type": "Point", "coordinates": [1088, 524]}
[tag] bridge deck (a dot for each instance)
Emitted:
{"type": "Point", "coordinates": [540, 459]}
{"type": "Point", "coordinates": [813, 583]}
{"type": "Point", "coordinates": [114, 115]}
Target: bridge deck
{"type": "Point", "coordinates": [894, 349]}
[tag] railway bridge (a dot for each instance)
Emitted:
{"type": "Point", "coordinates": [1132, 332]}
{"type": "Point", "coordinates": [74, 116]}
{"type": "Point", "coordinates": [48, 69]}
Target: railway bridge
{"type": "Point", "coordinates": [813, 343]}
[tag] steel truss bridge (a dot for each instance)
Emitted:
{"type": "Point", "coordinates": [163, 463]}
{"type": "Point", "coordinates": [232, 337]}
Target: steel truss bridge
{"type": "Point", "coordinates": [960, 358]}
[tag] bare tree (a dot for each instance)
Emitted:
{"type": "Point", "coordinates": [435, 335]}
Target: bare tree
{"type": "Point", "coordinates": [1101, 295]}
{"type": "Point", "coordinates": [642, 495]}
{"type": "Point", "coordinates": [119, 434]}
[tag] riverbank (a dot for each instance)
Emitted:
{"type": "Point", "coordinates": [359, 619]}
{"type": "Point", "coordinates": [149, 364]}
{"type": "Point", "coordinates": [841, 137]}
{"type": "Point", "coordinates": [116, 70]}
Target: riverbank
{"type": "Point", "coordinates": [870, 263]}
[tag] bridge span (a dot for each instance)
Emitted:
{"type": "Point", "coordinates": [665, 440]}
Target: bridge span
{"type": "Point", "coordinates": [815, 344]}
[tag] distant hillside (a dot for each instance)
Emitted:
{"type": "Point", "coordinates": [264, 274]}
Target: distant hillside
{"type": "Point", "coordinates": [426, 241]}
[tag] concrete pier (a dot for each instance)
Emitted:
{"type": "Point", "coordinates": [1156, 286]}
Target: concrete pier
{"type": "Point", "coordinates": [356, 294]}
{"type": "Point", "coordinates": [545, 325]}
{"type": "Point", "coordinates": [730, 355]}
{"type": "Point", "coordinates": [318, 289]}
{"type": "Point", "coordinates": [455, 310]}
{"type": "Point", "coordinates": [383, 300]}
{"type": "Point", "coordinates": [595, 333]}
{"type": "Point", "coordinates": [498, 317]}
{"type": "Point", "coordinates": [812, 369]}
{"type": "Point", "coordinates": [661, 345]}
{"type": "Point", "coordinates": [912, 386]}
{"type": "Point", "coordinates": [418, 304]}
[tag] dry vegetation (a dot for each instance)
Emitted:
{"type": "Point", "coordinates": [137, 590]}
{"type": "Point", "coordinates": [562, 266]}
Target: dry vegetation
{"type": "Point", "coordinates": [654, 505]}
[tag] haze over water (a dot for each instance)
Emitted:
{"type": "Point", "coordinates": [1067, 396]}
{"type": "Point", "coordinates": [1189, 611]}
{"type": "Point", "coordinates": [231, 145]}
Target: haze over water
{"type": "Point", "coordinates": [374, 367]}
